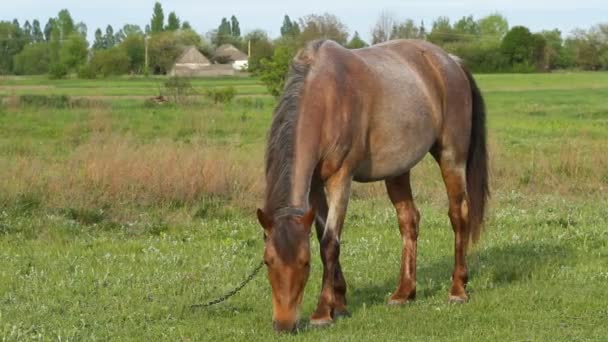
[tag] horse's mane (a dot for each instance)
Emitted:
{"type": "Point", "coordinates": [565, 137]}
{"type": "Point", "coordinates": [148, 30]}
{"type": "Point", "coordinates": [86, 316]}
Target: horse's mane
{"type": "Point", "coordinates": [280, 147]}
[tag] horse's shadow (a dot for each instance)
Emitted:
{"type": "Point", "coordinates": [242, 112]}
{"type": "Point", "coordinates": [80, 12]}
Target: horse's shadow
{"type": "Point", "coordinates": [500, 266]}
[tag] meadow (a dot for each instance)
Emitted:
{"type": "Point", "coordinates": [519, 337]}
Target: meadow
{"type": "Point", "coordinates": [117, 214]}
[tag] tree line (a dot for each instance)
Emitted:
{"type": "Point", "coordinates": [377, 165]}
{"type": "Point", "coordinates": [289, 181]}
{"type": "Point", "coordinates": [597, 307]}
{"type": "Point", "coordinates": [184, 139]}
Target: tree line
{"type": "Point", "coordinates": [488, 44]}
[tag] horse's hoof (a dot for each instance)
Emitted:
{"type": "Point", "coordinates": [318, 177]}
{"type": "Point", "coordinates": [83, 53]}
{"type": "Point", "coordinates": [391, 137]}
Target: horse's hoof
{"type": "Point", "coordinates": [321, 323]}
{"type": "Point", "coordinates": [342, 314]}
{"type": "Point", "coordinates": [458, 299]}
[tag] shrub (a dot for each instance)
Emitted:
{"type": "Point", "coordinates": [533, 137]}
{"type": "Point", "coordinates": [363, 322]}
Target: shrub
{"type": "Point", "coordinates": [221, 95]}
{"type": "Point", "coordinates": [87, 72]}
{"type": "Point", "coordinates": [178, 88]}
{"type": "Point", "coordinates": [114, 61]}
{"type": "Point", "coordinates": [57, 71]}
{"type": "Point", "coordinates": [34, 59]}
{"type": "Point", "coordinates": [49, 101]}
{"type": "Point", "coordinates": [274, 70]}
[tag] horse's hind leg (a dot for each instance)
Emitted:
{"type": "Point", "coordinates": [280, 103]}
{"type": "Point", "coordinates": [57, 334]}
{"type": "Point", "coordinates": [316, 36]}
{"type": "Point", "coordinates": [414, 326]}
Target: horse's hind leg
{"type": "Point", "coordinates": [453, 170]}
{"type": "Point", "coordinates": [400, 193]}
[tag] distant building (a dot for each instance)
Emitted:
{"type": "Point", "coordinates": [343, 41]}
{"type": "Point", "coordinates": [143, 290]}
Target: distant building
{"type": "Point", "coordinates": [192, 63]}
{"type": "Point", "coordinates": [228, 53]}
{"type": "Point", "coordinates": [189, 63]}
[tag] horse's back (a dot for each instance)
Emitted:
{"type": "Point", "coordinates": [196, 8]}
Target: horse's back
{"type": "Point", "coordinates": [399, 95]}
{"type": "Point", "coordinates": [444, 82]}
{"type": "Point", "coordinates": [413, 84]}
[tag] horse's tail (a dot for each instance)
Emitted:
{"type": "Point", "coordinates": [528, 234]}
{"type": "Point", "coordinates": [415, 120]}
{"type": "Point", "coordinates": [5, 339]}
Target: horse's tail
{"type": "Point", "coordinates": [477, 162]}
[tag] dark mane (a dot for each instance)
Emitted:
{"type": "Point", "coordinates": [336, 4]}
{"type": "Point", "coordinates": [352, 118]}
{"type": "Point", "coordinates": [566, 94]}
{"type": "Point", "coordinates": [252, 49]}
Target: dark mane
{"type": "Point", "coordinates": [280, 147]}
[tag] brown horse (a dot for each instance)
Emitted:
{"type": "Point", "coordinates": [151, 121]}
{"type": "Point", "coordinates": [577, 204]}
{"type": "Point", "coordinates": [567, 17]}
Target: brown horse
{"type": "Point", "coordinates": [366, 115]}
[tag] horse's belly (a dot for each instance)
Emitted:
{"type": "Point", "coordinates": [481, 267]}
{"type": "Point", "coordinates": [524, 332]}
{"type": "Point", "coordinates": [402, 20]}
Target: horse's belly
{"type": "Point", "coordinates": [395, 146]}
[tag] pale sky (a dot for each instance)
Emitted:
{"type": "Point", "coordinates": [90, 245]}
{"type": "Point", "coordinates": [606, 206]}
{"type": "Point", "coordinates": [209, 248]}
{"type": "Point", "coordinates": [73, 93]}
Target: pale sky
{"type": "Point", "coordinates": [268, 14]}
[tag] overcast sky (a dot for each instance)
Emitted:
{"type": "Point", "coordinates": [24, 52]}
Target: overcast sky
{"type": "Point", "coordinates": [268, 14]}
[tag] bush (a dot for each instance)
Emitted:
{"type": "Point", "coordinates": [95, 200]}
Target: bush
{"type": "Point", "coordinates": [34, 59]}
{"type": "Point", "coordinates": [274, 70]}
{"type": "Point", "coordinates": [57, 71]}
{"type": "Point", "coordinates": [87, 72]}
{"type": "Point", "coordinates": [114, 61]}
{"type": "Point", "coordinates": [221, 95]}
{"type": "Point", "coordinates": [485, 58]}
{"type": "Point", "coordinates": [49, 101]}
{"type": "Point", "coordinates": [178, 88]}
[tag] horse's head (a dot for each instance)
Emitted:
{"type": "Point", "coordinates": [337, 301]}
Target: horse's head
{"type": "Point", "coordinates": [287, 257]}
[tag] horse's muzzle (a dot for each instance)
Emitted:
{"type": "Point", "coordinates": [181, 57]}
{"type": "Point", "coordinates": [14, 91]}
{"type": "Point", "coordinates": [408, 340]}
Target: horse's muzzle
{"type": "Point", "coordinates": [284, 326]}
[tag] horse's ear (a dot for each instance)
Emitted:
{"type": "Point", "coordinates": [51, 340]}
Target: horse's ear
{"type": "Point", "coordinates": [264, 220]}
{"type": "Point", "coordinates": [308, 219]}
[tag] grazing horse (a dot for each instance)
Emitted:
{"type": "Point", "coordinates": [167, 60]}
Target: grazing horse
{"type": "Point", "coordinates": [367, 115]}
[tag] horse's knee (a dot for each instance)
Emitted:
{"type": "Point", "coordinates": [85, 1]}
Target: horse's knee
{"type": "Point", "coordinates": [330, 247]}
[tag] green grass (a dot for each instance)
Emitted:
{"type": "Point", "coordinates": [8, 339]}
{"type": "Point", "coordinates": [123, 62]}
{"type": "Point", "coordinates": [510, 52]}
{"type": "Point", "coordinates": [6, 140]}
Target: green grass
{"type": "Point", "coordinates": [119, 86]}
{"type": "Point", "coordinates": [84, 259]}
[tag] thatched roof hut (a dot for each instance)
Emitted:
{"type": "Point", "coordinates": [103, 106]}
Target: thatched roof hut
{"type": "Point", "coordinates": [230, 52]}
{"type": "Point", "coordinates": [232, 55]}
{"type": "Point", "coordinates": [190, 63]}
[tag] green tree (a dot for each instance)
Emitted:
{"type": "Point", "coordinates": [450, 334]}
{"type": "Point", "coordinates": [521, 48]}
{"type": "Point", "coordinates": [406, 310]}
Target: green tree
{"type": "Point", "coordinates": [223, 34]}
{"type": "Point", "coordinates": [10, 45]}
{"type": "Point", "coordinates": [406, 30]}
{"type": "Point", "coordinates": [235, 28]}
{"type": "Point", "coordinates": [538, 52]}
{"type": "Point", "coordinates": [65, 24]}
{"type": "Point", "coordinates": [519, 46]}
{"type": "Point", "coordinates": [467, 28]}
{"type": "Point", "coordinates": [132, 30]}
{"type": "Point", "coordinates": [584, 49]}
{"type": "Point", "coordinates": [422, 30]}
{"type": "Point", "coordinates": [109, 38]}
{"type": "Point", "coordinates": [442, 32]}
{"type": "Point", "coordinates": [553, 49]}
{"type": "Point", "coordinates": [289, 28]}
{"type": "Point", "coordinates": [110, 62]}
{"type": "Point", "coordinates": [27, 32]}
{"type": "Point", "coordinates": [356, 42]}
{"type": "Point", "coordinates": [493, 27]}
{"type": "Point", "coordinates": [34, 59]}
{"type": "Point", "coordinates": [273, 70]}
{"type": "Point", "coordinates": [186, 26]}
{"type": "Point", "coordinates": [37, 34]}
{"type": "Point", "coordinates": [134, 47]}
{"type": "Point", "coordinates": [48, 29]}
{"type": "Point", "coordinates": [598, 36]}
{"type": "Point", "coordinates": [158, 19]}
{"type": "Point", "coordinates": [163, 49]}
{"type": "Point", "coordinates": [81, 29]}
{"type": "Point", "coordinates": [325, 26]}
{"type": "Point", "coordinates": [384, 26]}
{"type": "Point", "coordinates": [173, 22]}
{"type": "Point", "coordinates": [187, 38]}
{"type": "Point", "coordinates": [73, 51]}
{"type": "Point", "coordinates": [261, 47]}
{"type": "Point", "coordinates": [99, 42]}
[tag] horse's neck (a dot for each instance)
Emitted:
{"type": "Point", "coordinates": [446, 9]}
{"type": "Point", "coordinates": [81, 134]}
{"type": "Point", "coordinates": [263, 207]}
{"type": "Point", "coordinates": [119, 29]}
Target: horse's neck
{"type": "Point", "coordinates": [305, 161]}
{"type": "Point", "coordinates": [292, 188]}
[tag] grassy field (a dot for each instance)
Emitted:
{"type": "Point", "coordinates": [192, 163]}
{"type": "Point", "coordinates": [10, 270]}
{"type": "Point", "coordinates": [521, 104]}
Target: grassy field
{"type": "Point", "coordinates": [117, 215]}
{"type": "Point", "coordinates": [125, 86]}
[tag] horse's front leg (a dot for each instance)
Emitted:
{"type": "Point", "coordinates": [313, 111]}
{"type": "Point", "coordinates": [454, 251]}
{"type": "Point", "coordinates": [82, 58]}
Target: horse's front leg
{"type": "Point", "coordinates": [331, 299]}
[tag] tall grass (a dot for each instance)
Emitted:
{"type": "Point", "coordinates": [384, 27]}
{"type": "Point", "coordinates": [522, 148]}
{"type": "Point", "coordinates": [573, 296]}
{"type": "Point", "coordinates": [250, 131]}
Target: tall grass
{"type": "Point", "coordinates": [112, 171]}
